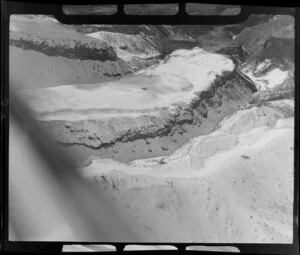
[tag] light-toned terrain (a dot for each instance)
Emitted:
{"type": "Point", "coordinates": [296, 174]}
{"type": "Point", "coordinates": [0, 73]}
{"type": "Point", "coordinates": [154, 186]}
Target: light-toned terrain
{"type": "Point", "coordinates": [189, 128]}
{"type": "Point", "coordinates": [233, 185]}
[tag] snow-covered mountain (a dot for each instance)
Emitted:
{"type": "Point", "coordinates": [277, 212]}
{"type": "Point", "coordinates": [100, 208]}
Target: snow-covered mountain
{"type": "Point", "coordinates": [233, 185]}
{"type": "Point", "coordinates": [195, 120]}
{"type": "Point", "coordinates": [165, 104]}
{"type": "Point", "coordinates": [169, 96]}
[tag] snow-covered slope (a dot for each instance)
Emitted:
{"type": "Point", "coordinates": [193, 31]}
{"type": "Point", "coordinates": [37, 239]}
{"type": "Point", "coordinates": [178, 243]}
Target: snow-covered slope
{"type": "Point", "coordinates": [79, 52]}
{"type": "Point", "coordinates": [204, 159]}
{"type": "Point", "coordinates": [44, 53]}
{"type": "Point", "coordinates": [233, 185]}
{"type": "Point", "coordinates": [31, 69]}
{"type": "Point", "coordinates": [270, 50]}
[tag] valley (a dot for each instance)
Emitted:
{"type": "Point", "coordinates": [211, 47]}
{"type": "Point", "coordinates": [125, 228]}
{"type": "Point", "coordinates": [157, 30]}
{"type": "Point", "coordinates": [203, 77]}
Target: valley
{"type": "Point", "coordinates": [190, 128]}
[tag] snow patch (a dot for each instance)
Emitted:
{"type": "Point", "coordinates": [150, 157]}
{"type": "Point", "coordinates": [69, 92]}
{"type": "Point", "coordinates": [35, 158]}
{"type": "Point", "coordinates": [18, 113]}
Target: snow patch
{"type": "Point", "coordinates": [265, 77]}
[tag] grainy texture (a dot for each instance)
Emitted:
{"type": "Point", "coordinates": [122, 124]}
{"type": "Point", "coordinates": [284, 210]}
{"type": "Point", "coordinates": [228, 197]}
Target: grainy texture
{"type": "Point", "coordinates": [188, 128]}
